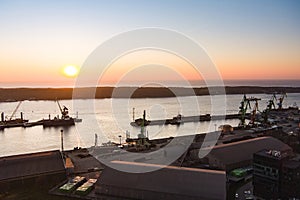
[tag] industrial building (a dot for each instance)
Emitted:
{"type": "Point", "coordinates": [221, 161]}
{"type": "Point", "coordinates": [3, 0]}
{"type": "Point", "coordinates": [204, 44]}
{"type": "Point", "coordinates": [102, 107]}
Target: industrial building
{"type": "Point", "coordinates": [275, 175]}
{"type": "Point", "coordinates": [38, 169]}
{"type": "Point", "coordinates": [239, 154]}
{"type": "Point", "coordinates": [267, 174]}
{"type": "Point", "coordinates": [291, 179]}
{"type": "Point", "coordinates": [164, 182]}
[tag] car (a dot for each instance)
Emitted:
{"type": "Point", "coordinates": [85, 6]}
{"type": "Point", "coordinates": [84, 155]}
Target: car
{"type": "Point", "coordinates": [247, 192]}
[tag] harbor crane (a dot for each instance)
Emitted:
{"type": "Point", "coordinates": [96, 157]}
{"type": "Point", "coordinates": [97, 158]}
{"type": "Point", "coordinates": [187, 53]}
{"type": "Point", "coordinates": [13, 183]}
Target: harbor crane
{"type": "Point", "coordinates": [245, 104]}
{"type": "Point", "coordinates": [243, 109]}
{"type": "Point", "coordinates": [64, 111]}
{"type": "Point", "coordinates": [280, 100]}
{"type": "Point", "coordinates": [270, 106]}
{"type": "Point", "coordinates": [271, 103]}
{"type": "Point", "coordinates": [15, 110]}
{"type": "Point", "coordinates": [254, 111]}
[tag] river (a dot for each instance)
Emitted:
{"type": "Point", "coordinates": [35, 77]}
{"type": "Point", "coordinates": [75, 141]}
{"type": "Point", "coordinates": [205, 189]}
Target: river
{"type": "Point", "coordinates": [110, 118]}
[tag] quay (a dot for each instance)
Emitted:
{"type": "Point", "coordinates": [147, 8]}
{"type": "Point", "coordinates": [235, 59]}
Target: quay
{"type": "Point", "coordinates": [179, 119]}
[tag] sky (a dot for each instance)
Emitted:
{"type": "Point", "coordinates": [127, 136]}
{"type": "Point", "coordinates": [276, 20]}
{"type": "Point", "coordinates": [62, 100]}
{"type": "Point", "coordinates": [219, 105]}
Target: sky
{"type": "Point", "coordinates": [245, 39]}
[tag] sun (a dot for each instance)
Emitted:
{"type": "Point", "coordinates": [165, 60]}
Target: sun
{"type": "Point", "coordinates": [70, 71]}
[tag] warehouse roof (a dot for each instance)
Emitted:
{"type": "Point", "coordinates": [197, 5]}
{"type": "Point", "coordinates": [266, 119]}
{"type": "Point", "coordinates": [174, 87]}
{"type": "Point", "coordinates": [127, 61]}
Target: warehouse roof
{"type": "Point", "coordinates": [29, 165]}
{"type": "Point", "coordinates": [244, 150]}
{"type": "Point", "coordinates": [189, 182]}
{"type": "Point", "coordinates": [292, 164]}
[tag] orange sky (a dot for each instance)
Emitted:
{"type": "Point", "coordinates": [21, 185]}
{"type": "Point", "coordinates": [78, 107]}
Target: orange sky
{"type": "Point", "coordinates": [245, 40]}
{"type": "Point", "coordinates": [149, 65]}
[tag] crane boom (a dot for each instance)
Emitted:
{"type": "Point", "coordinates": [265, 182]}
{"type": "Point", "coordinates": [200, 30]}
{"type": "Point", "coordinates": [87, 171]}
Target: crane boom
{"type": "Point", "coordinates": [64, 111]}
{"type": "Point", "coordinates": [61, 111]}
{"type": "Point", "coordinates": [15, 110]}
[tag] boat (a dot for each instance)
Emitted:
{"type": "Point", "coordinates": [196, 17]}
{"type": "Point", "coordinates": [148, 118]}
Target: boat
{"type": "Point", "coordinates": [77, 119]}
{"type": "Point", "coordinates": [141, 121]}
{"type": "Point", "coordinates": [58, 122]}
{"type": "Point", "coordinates": [175, 121]}
{"type": "Point", "coordinates": [11, 122]}
{"type": "Point", "coordinates": [14, 123]}
{"type": "Point", "coordinates": [65, 119]}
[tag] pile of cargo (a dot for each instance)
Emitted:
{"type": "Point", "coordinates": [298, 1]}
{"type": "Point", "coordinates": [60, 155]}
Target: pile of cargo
{"type": "Point", "coordinates": [72, 184]}
{"type": "Point", "coordinates": [86, 187]}
{"type": "Point", "coordinates": [79, 184]}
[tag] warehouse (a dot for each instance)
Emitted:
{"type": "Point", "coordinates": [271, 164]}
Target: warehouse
{"type": "Point", "coordinates": [39, 169]}
{"type": "Point", "coordinates": [165, 182]}
{"type": "Point", "coordinates": [240, 154]}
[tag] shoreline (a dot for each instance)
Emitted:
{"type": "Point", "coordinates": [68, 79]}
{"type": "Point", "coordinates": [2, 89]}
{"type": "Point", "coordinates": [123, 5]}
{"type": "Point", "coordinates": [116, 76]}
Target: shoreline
{"type": "Point", "coordinates": [20, 94]}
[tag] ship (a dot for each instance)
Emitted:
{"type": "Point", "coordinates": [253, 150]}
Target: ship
{"type": "Point", "coordinates": [64, 120]}
{"type": "Point", "coordinates": [58, 122]}
{"type": "Point", "coordinates": [77, 119]}
{"type": "Point", "coordinates": [11, 121]}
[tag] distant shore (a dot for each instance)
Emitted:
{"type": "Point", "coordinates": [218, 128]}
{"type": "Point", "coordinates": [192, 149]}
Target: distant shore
{"type": "Point", "coordinates": [20, 94]}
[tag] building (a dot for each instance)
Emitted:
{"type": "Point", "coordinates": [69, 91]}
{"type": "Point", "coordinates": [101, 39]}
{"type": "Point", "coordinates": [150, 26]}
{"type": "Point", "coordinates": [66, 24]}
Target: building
{"type": "Point", "coordinates": [38, 169]}
{"type": "Point", "coordinates": [290, 179]}
{"type": "Point", "coordinates": [239, 154]}
{"type": "Point", "coordinates": [267, 174]}
{"type": "Point", "coordinates": [164, 182]}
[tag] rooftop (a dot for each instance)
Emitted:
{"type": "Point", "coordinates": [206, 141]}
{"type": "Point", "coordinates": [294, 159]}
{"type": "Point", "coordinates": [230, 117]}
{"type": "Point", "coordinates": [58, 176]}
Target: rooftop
{"type": "Point", "coordinates": [28, 165]}
{"type": "Point", "coordinates": [188, 182]}
{"type": "Point", "coordinates": [272, 153]}
{"type": "Point", "coordinates": [292, 164]}
{"type": "Point", "coordinates": [243, 150]}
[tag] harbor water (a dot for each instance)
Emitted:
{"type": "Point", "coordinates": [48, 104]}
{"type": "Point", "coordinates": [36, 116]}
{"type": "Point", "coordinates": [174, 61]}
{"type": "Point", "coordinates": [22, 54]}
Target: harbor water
{"type": "Point", "coordinates": [111, 118]}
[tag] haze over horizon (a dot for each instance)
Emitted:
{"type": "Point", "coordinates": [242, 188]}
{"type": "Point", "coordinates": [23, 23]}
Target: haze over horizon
{"type": "Point", "coordinates": [247, 40]}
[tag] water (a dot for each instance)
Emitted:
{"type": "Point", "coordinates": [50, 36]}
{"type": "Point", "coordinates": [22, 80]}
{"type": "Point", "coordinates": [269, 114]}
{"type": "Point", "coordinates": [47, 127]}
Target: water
{"type": "Point", "coordinates": [109, 123]}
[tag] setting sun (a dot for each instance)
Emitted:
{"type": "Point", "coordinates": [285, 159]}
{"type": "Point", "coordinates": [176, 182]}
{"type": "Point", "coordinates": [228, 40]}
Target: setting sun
{"type": "Point", "coordinates": [70, 71]}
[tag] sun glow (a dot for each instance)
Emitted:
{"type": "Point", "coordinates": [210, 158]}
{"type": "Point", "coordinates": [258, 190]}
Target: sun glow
{"type": "Point", "coordinates": [70, 71]}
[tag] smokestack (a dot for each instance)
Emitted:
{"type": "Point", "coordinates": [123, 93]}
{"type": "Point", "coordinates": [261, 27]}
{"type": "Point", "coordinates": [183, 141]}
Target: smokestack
{"type": "Point", "coordinates": [2, 116]}
{"type": "Point", "coordinates": [21, 115]}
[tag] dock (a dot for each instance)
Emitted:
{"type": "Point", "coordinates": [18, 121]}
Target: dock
{"type": "Point", "coordinates": [64, 120]}
{"type": "Point", "coordinates": [179, 119]}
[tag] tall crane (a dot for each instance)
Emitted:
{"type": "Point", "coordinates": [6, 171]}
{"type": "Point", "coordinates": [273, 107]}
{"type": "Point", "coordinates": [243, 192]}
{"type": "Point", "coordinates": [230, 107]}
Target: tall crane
{"type": "Point", "coordinates": [15, 110]}
{"type": "Point", "coordinates": [64, 111]}
{"type": "Point", "coordinates": [280, 100]}
{"type": "Point", "coordinates": [271, 103]}
{"type": "Point", "coordinates": [245, 104]}
{"type": "Point", "coordinates": [243, 109]}
{"type": "Point", "coordinates": [270, 106]}
{"type": "Point", "coordinates": [253, 113]}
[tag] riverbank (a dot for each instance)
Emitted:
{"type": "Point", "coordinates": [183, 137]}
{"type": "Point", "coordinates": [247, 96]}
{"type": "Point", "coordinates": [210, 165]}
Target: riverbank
{"type": "Point", "coordinates": [20, 94]}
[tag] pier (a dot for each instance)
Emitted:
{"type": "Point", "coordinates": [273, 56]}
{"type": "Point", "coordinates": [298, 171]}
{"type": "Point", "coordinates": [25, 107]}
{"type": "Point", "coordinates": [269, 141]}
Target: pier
{"type": "Point", "coordinates": [179, 119]}
{"type": "Point", "coordinates": [64, 120]}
